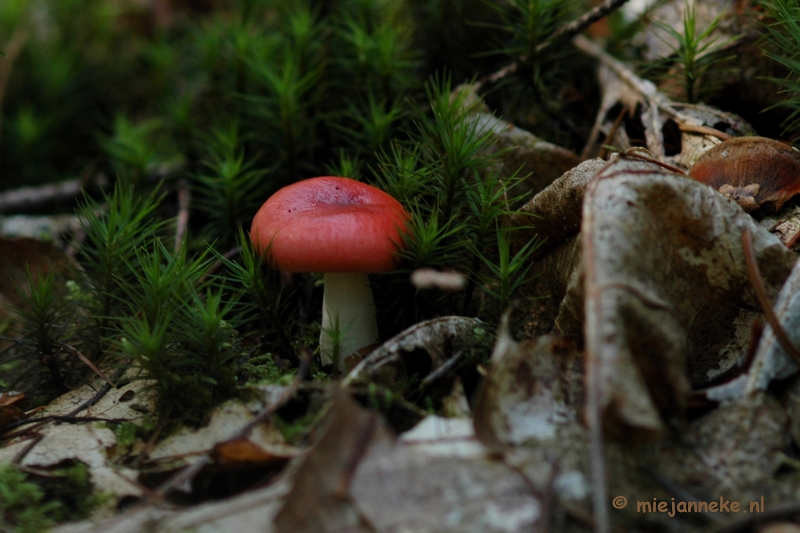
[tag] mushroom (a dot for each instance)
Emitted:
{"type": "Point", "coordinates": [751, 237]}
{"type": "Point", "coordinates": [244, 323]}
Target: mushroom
{"type": "Point", "coordinates": [754, 171]}
{"type": "Point", "coordinates": [345, 229]}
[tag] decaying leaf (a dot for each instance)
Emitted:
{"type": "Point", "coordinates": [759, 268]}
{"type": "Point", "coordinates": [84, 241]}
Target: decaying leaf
{"type": "Point", "coordinates": [557, 209]}
{"type": "Point", "coordinates": [672, 132]}
{"type": "Point", "coordinates": [319, 500]}
{"type": "Point", "coordinates": [754, 171]}
{"type": "Point", "coordinates": [771, 361]}
{"type": "Point", "coordinates": [533, 388]}
{"type": "Point", "coordinates": [664, 279]}
{"type": "Point", "coordinates": [539, 161]}
{"type": "Point", "coordinates": [417, 488]}
{"type": "Point", "coordinates": [735, 450]}
{"type": "Point", "coordinates": [264, 443]}
{"type": "Point", "coordinates": [422, 347]}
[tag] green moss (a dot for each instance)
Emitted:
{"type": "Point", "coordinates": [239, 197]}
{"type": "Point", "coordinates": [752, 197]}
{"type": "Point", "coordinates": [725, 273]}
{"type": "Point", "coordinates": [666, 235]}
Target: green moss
{"type": "Point", "coordinates": [34, 504]}
{"type": "Point", "coordinates": [262, 368]}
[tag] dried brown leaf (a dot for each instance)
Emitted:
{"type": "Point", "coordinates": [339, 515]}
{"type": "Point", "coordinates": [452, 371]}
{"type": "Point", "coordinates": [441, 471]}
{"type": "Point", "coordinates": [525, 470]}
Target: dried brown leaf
{"type": "Point", "coordinates": [665, 279]}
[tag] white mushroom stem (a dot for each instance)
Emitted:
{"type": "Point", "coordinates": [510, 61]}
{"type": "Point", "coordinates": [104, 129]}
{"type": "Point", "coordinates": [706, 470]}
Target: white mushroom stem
{"type": "Point", "coordinates": [348, 298]}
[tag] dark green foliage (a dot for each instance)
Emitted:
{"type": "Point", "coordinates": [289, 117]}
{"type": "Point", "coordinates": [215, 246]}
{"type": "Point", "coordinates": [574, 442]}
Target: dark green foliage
{"type": "Point", "coordinates": [114, 237]}
{"type": "Point", "coordinates": [229, 188]}
{"type": "Point", "coordinates": [784, 37]}
{"type": "Point", "coordinates": [31, 504]}
{"type": "Point", "coordinates": [178, 334]}
{"type": "Point", "coordinates": [36, 361]}
{"type": "Point", "coordinates": [263, 298]}
{"type": "Point", "coordinates": [694, 53]}
{"type": "Point", "coordinates": [448, 180]}
{"type": "Point", "coordinates": [139, 151]}
{"type": "Point", "coordinates": [23, 502]}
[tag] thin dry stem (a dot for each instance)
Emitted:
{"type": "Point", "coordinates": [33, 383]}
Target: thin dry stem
{"type": "Point", "coordinates": [763, 299]}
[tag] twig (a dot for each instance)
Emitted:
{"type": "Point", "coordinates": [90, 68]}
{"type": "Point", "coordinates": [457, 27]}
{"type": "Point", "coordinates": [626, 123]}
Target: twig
{"type": "Point", "coordinates": [705, 130]}
{"type": "Point", "coordinates": [594, 411]}
{"type": "Point", "coordinates": [182, 223]}
{"type": "Point", "coordinates": [68, 417]}
{"type": "Point", "coordinates": [148, 447]}
{"type": "Point", "coordinates": [20, 455]}
{"type": "Point", "coordinates": [79, 355]}
{"type": "Point", "coordinates": [563, 32]}
{"type": "Point", "coordinates": [442, 370]}
{"type": "Point", "coordinates": [26, 198]}
{"type": "Point", "coordinates": [603, 152]}
{"type": "Point", "coordinates": [763, 300]}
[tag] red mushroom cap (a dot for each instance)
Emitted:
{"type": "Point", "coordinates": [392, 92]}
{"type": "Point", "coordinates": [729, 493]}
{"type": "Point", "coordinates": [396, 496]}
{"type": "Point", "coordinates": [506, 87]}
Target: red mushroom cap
{"type": "Point", "coordinates": [330, 224]}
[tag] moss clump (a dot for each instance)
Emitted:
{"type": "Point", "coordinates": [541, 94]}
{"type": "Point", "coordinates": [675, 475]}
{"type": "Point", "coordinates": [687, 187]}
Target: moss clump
{"type": "Point", "coordinates": [31, 504]}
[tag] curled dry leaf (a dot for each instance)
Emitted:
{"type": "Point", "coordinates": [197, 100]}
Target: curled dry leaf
{"type": "Point", "coordinates": [528, 155]}
{"type": "Point", "coordinates": [265, 443]}
{"type": "Point", "coordinates": [665, 279]}
{"type": "Point", "coordinates": [634, 113]}
{"type": "Point", "coordinates": [754, 171]}
{"type": "Point", "coordinates": [359, 477]}
{"type": "Point", "coordinates": [319, 498]}
{"type": "Point", "coordinates": [424, 346]}
{"type": "Point", "coordinates": [554, 216]}
{"type": "Point", "coordinates": [557, 209]}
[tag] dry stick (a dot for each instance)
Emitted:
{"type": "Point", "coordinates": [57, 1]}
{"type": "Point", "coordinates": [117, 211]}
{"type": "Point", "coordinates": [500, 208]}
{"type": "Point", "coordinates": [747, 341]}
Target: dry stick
{"type": "Point", "coordinates": [30, 197]}
{"type": "Point", "coordinates": [188, 473]}
{"type": "Point", "coordinates": [763, 300]}
{"type": "Point", "coordinates": [705, 130]}
{"type": "Point", "coordinates": [646, 88]}
{"type": "Point", "coordinates": [603, 152]}
{"type": "Point", "coordinates": [563, 32]}
{"type": "Point", "coordinates": [594, 413]}
{"type": "Point", "coordinates": [39, 422]}
{"type": "Point", "coordinates": [79, 355]}
{"type": "Point", "coordinates": [184, 199]}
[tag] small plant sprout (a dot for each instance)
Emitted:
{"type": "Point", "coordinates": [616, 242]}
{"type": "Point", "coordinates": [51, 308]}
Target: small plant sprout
{"type": "Point", "coordinates": [343, 228]}
{"type": "Point", "coordinates": [784, 35]}
{"type": "Point", "coordinates": [695, 50]}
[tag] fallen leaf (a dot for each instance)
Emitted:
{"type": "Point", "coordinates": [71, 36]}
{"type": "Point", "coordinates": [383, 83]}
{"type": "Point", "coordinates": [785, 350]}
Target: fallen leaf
{"type": "Point", "coordinates": [661, 252]}
{"type": "Point", "coordinates": [420, 348]}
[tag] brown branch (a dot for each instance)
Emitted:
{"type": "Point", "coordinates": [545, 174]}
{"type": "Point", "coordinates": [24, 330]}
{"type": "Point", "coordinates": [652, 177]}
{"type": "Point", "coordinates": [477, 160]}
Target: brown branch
{"type": "Point", "coordinates": [705, 130]}
{"type": "Point", "coordinates": [85, 360]}
{"type": "Point", "coordinates": [763, 299]}
{"type": "Point", "coordinates": [594, 411]}
{"type": "Point", "coordinates": [563, 32]}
